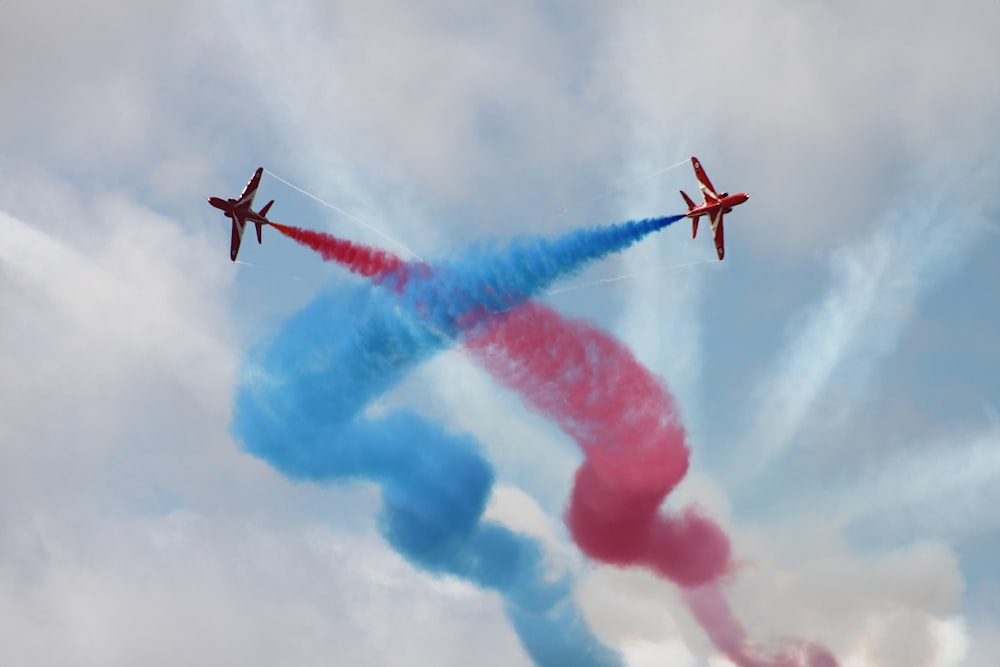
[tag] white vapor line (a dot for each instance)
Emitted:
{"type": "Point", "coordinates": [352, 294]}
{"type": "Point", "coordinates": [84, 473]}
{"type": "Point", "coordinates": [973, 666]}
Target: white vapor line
{"type": "Point", "coordinates": [240, 261]}
{"type": "Point", "coordinates": [344, 213]}
{"type": "Point", "coordinates": [948, 489]}
{"type": "Point", "coordinates": [875, 287]}
{"type": "Point", "coordinates": [640, 179]}
{"type": "Point", "coordinates": [378, 231]}
{"type": "Point", "coordinates": [626, 276]}
{"type": "Point", "coordinates": [625, 186]}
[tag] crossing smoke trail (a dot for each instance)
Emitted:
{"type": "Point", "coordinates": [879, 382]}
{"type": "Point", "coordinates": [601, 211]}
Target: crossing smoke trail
{"type": "Point", "coordinates": [301, 401]}
{"type": "Point", "coordinates": [624, 420]}
{"type": "Point", "coordinates": [462, 292]}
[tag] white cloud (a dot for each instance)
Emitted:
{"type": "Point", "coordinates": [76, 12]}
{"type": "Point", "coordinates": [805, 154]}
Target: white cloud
{"type": "Point", "coordinates": [912, 640]}
{"type": "Point", "coordinates": [875, 287]}
{"type": "Point", "coordinates": [800, 582]}
{"type": "Point", "coordinates": [133, 530]}
{"type": "Point", "coordinates": [110, 83]}
{"type": "Point", "coordinates": [653, 654]}
{"type": "Point", "coordinates": [139, 307]}
{"type": "Point", "coordinates": [948, 489]}
{"type": "Point", "coordinates": [985, 643]}
{"type": "Point", "coordinates": [118, 349]}
{"type": "Point", "coordinates": [820, 109]}
{"type": "Point", "coordinates": [444, 105]}
{"type": "Point", "coordinates": [202, 590]}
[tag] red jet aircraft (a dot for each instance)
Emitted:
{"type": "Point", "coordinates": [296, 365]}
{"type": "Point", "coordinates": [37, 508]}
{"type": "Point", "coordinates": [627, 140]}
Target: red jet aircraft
{"type": "Point", "coordinates": [716, 205]}
{"type": "Point", "coordinates": [240, 212]}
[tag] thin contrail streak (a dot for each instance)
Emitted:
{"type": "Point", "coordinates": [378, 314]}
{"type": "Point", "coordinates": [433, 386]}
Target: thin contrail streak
{"type": "Point", "coordinates": [640, 179]}
{"type": "Point", "coordinates": [347, 215]}
{"type": "Point", "coordinates": [628, 275]}
{"type": "Point", "coordinates": [624, 186]}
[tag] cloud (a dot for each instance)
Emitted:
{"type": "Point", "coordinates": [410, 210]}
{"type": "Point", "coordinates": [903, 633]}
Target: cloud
{"type": "Point", "coordinates": [449, 104]}
{"type": "Point", "coordinates": [874, 290]}
{"type": "Point", "coordinates": [820, 110]}
{"type": "Point", "coordinates": [133, 530]}
{"type": "Point", "coordinates": [93, 88]}
{"type": "Point", "coordinates": [443, 122]}
{"type": "Point", "coordinates": [117, 354]}
{"type": "Point", "coordinates": [946, 489]}
{"type": "Point", "coordinates": [214, 590]}
{"type": "Point", "coordinates": [986, 643]}
{"type": "Point", "coordinates": [130, 308]}
{"type": "Point", "coordinates": [798, 580]}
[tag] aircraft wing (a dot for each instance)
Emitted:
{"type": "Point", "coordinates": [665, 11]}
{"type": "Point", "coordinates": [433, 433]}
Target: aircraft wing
{"type": "Point", "coordinates": [238, 227]}
{"type": "Point", "coordinates": [251, 189]}
{"type": "Point", "coordinates": [707, 189]}
{"type": "Point", "coordinates": [718, 233]}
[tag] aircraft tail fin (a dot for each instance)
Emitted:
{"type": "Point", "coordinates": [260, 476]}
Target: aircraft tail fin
{"type": "Point", "coordinates": [694, 220]}
{"type": "Point", "coordinates": [260, 224]}
{"type": "Point", "coordinates": [687, 200]}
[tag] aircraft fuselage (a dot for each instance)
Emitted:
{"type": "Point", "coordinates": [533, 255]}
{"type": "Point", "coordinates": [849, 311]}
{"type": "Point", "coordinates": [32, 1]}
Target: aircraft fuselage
{"type": "Point", "coordinates": [726, 203]}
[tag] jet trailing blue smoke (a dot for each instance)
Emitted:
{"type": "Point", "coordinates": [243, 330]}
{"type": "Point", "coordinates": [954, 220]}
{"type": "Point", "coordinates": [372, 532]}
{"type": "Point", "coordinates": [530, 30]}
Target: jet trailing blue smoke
{"type": "Point", "coordinates": [301, 404]}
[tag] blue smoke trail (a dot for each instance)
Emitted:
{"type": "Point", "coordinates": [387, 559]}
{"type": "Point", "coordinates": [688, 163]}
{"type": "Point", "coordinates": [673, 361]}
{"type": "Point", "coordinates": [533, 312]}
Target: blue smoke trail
{"type": "Point", "coordinates": [488, 280]}
{"type": "Point", "coordinates": [302, 396]}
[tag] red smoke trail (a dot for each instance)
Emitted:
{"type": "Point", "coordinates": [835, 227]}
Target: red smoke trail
{"type": "Point", "coordinates": [365, 260]}
{"type": "Point", "coordinates": [625, 422]}
{"type": "Point", "coordinates": [709, 606]}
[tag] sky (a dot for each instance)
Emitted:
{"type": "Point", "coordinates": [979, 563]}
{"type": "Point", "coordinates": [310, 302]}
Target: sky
{"type": "Point", "coordinates": [838, 374]}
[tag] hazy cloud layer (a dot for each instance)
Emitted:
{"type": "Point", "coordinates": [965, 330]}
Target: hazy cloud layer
{"type": "Point", "coordinates": [133, 530]}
